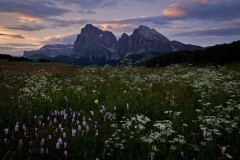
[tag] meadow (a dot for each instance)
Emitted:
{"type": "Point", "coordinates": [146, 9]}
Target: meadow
{"type": "Point", "coordinates": [120, 113]}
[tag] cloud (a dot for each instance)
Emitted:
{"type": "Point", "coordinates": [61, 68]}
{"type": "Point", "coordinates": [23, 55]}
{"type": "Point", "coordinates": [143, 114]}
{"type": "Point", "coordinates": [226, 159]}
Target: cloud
{"type": "Point", "coordinates": [10, 36]}
{"type": "Point", "coordinates": [213, 32]}
{"type": "Point", "coordinates": [20, 45]}
{"type": "Point", "coordinates": [214, 10]}
{"type": "Point", "coordinates": [60, 39]}
{"type": "Point", "coordinates": [31, 9]}
{"type": "Point", "coordinates": [26, 27]}
{"type": "Point", "coordinates": [93, 4]}
{"type": "Point", "coordinates": [87, 12]}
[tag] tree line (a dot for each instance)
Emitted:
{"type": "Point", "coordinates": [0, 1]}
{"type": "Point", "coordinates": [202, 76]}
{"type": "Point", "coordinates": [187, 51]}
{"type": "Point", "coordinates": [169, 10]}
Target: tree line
{"type": "Point", "coordinates": [217, 55]}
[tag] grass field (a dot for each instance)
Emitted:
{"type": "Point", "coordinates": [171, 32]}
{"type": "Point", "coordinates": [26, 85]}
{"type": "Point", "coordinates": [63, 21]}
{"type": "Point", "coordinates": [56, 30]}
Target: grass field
{"type": "Point", "coordinates": [49, 111]}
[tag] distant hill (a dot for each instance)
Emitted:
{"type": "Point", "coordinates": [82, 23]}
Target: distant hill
{"type": "Point", "coordinates": [217, 55]}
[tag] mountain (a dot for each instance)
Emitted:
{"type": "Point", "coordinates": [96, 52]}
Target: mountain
{"type": "Point", "coordinates": [95, 46]}
{"type": "Point", "coordinates": [94, 43]}
{"type": "Point", "coordinates": [144, 40]}
{"type": "Point", "coordinates": [51, 50]}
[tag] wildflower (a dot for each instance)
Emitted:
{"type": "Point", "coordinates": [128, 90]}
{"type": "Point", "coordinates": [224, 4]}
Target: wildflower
{"type": "Point", "coordinates": [57, 145]}
{"type": "Point", "coordinates": [151, 157]}
{"type": "Point", "coordinates": [96, 101]}
{"type": "Point", "coordinates": [73, 132]}
{"type": "Point", "coordinates": [87, 128]}
{"type": "Point", "coordinates": [64, 134]}
{"type": "Point", "coordinates": [65, 144]}
{"type": "Point", "coordinates": [16, 128]}
{"type": "Point", "coordinates": [65, 153]}
{"type": "Point", "coordinates": [5, 140]}
{"type": "Point", "coordinates": [204, 133]}
{"type": "Point", "coordinates": [60, 141]}
{"type": "Point", "coordinates": [47, 151]}
{"type": "Point", "coordinates": [92, 113]}
{"type": "Point", "coordinates": [20, 142]}
{"type": "Point", "coordinates": [223, 150]}
{"type": "Point", "coordinates": [65, 116]}
{"type": "Point", "coordinates": [6, 131]}
{"type": "Point", "coordinates": [79, 128]}
{"type": "Point", "coordinates": [49, 136]}
{"type": "Point", "coordinates": [103, 108]}
{"type": "Point", "coordinates": [127, 106]}
{"type": "Point", "coordinates": [182, 154]}
{"type": "Point", "coordinates": [55, 120]}
{"type": "Point", "coordinates": [84, 123]}
{"type": "Point", "coordinates": [115, 108]}
{"type": "Point", "coordinates": [62, 129]}
{"type": "Point", "coordinates": [41, 150]}
{"type": "Point", "coordinates": [101, 111]}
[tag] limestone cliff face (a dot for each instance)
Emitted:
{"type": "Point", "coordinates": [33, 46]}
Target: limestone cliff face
{"type": "Point", "coordinates": [92, 42]}
{"type": "Point", "coordinates": [144, 39]}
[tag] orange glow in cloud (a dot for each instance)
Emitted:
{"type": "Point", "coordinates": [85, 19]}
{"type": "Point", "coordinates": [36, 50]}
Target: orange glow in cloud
{"type": "Point", "coordinates": [174, 11]}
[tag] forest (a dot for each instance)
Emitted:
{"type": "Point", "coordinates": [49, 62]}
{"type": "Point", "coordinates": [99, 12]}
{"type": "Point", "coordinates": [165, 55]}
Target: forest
{"type": "Point", "coordinates": [216, 55]}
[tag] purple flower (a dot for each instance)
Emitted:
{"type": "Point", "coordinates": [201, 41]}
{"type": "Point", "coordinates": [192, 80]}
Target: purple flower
{"type": "Point", "coordinates": [223, 150]}
{"type": "Point", "coordinates": [127, 106]}
{"type": "Point", "coordinates": [16, 128]}
{"type": "Point", "coordinates": [65, 153]}
{"type": "Point", "coordinates": [5, 140]}
{"type": "Point", "coordinates": [60, 141]}
{"type": "Point", "coordinates": [103, 108]}
{"type": "Point", "coordinates": [92, 113]}
{"type": "Point", "coordinates": [87, 128]}
{"type": "Point", "coordinates": [65, 116]}
{"type": "Point", "coordinates": [79, 128]}
{"type": "Point", "coordinates": [182, 154]}
{"type": "Point", "coordinates": [47, 151]}
{"type": "Point", "coordinates": [41, 150]}
{"type": "Point", "coordinates": [204, 133]}
{"type": "Point", "coordinates": [65, 144]}
{"type": "Point", "coordinates": [151, 157]}
{"type": "Point", "coordinates": [6, 131]}
{"type": "Point", "coordinates": [115, 108]}
{"type": "Point", "coordinates": [57, 145]}
{"type": "Point", "coordinates": [73, 132]}
{"type": "Point", "coordinates": [84, 124]}
{"type": "Point", "coordinates": [49, 136]}
{"type": "Point", "coordinates": [64, 134]}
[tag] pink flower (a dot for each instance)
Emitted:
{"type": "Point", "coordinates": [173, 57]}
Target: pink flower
{"type": "Point", "coordinates": [73, 132]}
{"type": "Point", "coordinates": [223, 150]}
{"type": "Point", "coordinates": [65, 144]}
{"type": "Point", "coordinates": [41, 150]}
{"type": "Point", "coordinates": [151, 157]}
{"type": "Point", "coordinates": [6, 131]}
{"type": "Point", "coordinates": [57, 145]}
{"type": "Point", "coordinates": [182, 154]}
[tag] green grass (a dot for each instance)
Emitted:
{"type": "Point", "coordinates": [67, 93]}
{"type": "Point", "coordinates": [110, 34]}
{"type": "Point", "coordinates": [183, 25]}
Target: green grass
{"type": "Point", "coordinates": [118, 113]}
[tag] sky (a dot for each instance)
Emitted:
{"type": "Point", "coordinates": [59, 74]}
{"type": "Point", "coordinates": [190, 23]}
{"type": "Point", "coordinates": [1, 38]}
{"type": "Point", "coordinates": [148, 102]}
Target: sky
{"type": "Point", "coordinates": [29, 24]}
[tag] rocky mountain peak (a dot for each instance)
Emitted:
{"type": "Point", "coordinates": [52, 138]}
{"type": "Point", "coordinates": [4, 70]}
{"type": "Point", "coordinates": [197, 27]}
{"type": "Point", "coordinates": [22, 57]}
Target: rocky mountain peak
{"type": "Point", "coordinates": [93, 43]}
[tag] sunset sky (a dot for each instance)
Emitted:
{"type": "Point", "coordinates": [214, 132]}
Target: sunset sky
{"type": "Point", "coordinates": [29, 24]}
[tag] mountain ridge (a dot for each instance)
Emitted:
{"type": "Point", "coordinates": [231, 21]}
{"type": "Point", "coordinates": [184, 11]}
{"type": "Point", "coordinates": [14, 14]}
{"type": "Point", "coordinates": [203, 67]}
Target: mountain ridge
{"type": "Point", "coordinates": [95, 44]}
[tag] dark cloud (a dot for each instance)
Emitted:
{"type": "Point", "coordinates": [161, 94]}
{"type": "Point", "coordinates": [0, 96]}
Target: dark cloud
{"type": "Point", "coordinates": [31, 8]}
{"type": "Point", "coordinates": [93, 4]}
{"type": "Point", "coordinates": [60, 39]}
{"type": "Point", "coordinates": [87, 12]}
{"type": "Point", "coordinates": [215, 32]}
{"type": "Point", "coordinates": [59, 23]}
{"type": "Point", "coordinates": [18, 45]}
{"type": "Point", "coordinates": [26, 27]}
{"type": "Point", "coordinates": [6, 48]}
{"type": "Point", "coordinates": [10, 36]}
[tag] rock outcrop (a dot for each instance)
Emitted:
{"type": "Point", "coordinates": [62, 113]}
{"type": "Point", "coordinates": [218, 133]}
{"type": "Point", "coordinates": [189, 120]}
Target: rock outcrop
{"type": "Point", "coordinates": [94, 43]}
{"type": "Point", "coordinates": [51, 50]}
{"type": "Point", "coordinates": [143, 40]}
